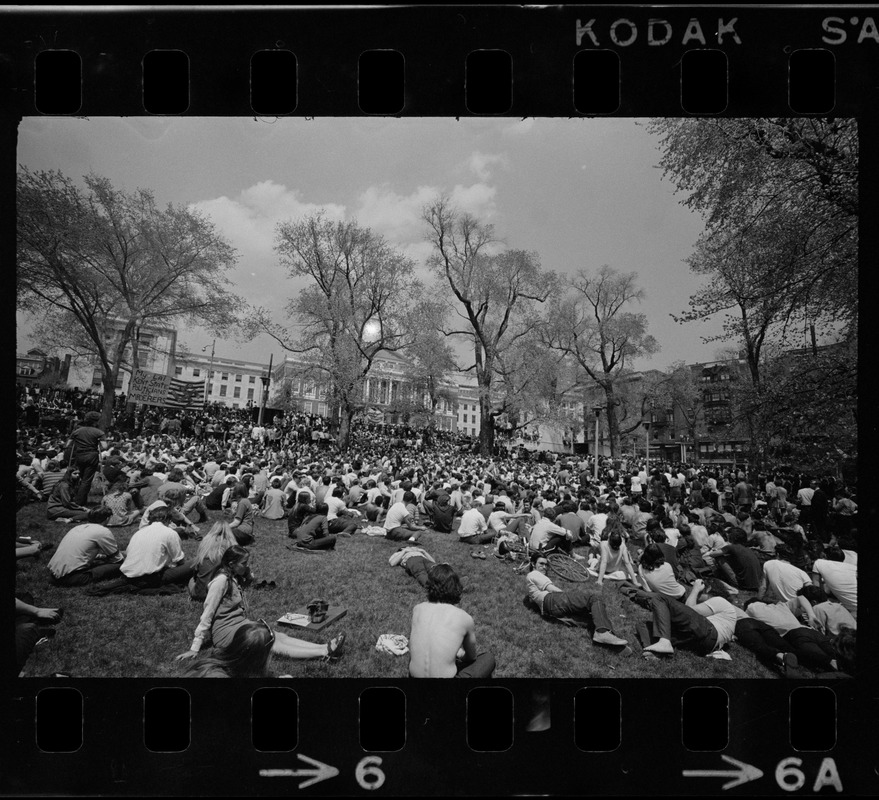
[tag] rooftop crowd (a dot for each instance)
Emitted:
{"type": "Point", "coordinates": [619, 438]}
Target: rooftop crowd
{"type": "Point", "coordinates": [764, 558]}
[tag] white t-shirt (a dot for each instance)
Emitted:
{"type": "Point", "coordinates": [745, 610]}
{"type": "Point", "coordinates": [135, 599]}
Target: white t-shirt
{"type": "Point", "coordinates": [542, 530]}
{"type": "Point", "coordinates": [785, 579]}
{"type": "Point", "coordinates": [335, 505]}
{"type": "Point", "coordinates": [152, 549]}
{"type": "Point", "coordinates": [662, 580]}
{"type": "Point", "coordinates": [777, 615]}
{"type": "Point", "coordinates": [842, 580]}
{"type": "Point", "coordinates": [396, 516]}
{"type": "Point", "coordinates": [537, 587]}
{"type": "Point", "coordinates": [472, 523]}
{"type": "Point", "coordinates": [723, 618]}
{"type": "Point", "coordinates": [79, 547]}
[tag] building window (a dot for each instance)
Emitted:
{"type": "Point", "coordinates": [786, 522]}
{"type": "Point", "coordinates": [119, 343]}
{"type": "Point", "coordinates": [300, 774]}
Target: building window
{"type": "Point", "coordinates": [250, 394]}
{"type": "Point", "coordinates": [196, 373]}
{"type": "Point", "coordinates": [251, 379]}
{"type": "Point", "coordinates": [178, 370]}
{"type": "Point", "coordinates": [465, 419]}
{"type": "Point", "coordinates": [322, 409]}
{"type": "Point", "coordinates": [222, 390]}
{"type": "Point", "coordinates": [212, 375]}
{"type": "Point", "coordinates": [237, 379]}
{"type": "Point", "coordinates": [237, 392]}
{"type": "Point", "coordinates": [235, 405]}
{"type": "Point", "coordinates": [224, 376]}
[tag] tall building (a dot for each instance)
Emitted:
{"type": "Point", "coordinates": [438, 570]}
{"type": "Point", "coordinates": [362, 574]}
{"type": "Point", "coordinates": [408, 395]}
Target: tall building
{"type": "Point", "coordinates": [35, 367]}
{"type": "Point", "coordinates": [230, 382]}
{"type": "Point", "coordinates": [389, 393]}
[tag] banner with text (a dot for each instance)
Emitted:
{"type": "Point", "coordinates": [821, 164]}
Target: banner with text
{"type": "Point", "coordinates": [156, 389]}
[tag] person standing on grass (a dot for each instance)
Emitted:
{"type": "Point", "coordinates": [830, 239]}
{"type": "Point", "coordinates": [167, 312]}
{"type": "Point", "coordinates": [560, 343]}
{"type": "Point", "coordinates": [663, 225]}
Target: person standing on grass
{"type": "Point", "coordinates": [86, 442]}
{"type": "Point", "coordinates": [555, 602]}
{"type": "Point", "coordinates": [442, 642]}
{"type": "Point", "coordinates": [224, 617]}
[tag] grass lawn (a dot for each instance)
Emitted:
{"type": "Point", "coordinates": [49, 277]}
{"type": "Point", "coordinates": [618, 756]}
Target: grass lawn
{"type": "Point", "coordinates": [132, 636]}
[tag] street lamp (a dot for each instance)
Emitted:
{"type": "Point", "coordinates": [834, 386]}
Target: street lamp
{"type": "Point", "coordinates": [647, 430]}
{"type": "Point", "coordinates": [597, 411]}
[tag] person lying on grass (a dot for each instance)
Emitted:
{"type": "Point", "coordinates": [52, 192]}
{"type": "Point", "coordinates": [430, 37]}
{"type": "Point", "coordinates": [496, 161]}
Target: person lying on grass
{"type": "Point", "coordinates": [224, 616]}
{"type": "Point", "coordinates": [414, 560]}
{"type": "Point", "coordinates": [702, 624]}
{"type": "Point", "coordinates": [442, 642]}
{"type": "Point", "coordinates": [555, 602]}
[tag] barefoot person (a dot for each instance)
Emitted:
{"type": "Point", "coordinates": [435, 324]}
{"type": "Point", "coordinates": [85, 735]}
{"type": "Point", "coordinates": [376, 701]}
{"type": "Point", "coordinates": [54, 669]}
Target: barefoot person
{"type": "Point", "coordinates": [442, 643]}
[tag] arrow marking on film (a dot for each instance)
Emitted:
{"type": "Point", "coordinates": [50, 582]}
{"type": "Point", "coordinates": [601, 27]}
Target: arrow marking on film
{"type": "Point", "coordinates": [741, 774]}
{"type": "Point", "coordinates": [322, 772]}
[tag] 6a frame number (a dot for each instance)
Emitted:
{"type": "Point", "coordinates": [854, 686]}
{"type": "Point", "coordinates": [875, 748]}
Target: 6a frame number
{"type": "Point", "coordinates": [791, 778]}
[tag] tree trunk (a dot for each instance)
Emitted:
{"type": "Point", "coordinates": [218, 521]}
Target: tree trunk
{"type": "Point", "coordinates": [613, 425]}
{"type": "Point", "coordinates": [486, 429]}
{"type": "Point", "coordinates": [109, 383]}
{"type": "Point", "coordinates": [343, 437]}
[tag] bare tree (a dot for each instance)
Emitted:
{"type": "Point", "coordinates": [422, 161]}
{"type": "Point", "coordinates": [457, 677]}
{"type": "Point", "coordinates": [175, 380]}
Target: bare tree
{"type": "Point", "coordinates": [491, 294]}
{"type": "Point", "coordinates": [360, 299]}
{"type": "Point", "coordinates": [592, 326]}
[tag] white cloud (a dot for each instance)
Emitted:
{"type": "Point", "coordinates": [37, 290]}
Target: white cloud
{"type": "Point", "coordinates": [477, 199]}
{"type": "Point", "coordinates": [479, 163]}
{"type": "Point", "coordinates": [395, 216]}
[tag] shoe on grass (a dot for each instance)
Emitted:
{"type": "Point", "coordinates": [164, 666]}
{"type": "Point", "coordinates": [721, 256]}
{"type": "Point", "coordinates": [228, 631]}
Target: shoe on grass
{"type": "Point", "coordinates": [661, 648]}
{"type": "Point", "coordinates": [606, 637]}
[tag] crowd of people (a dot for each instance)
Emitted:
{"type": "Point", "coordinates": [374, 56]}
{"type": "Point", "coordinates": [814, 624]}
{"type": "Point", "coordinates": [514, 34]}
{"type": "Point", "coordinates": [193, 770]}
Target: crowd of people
{"type": "Point", "coordinates": [766, 559]}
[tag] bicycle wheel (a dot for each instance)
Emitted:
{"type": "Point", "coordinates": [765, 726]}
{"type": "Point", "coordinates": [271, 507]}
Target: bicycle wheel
{"type": "Point", "coordinates": [568, 568]}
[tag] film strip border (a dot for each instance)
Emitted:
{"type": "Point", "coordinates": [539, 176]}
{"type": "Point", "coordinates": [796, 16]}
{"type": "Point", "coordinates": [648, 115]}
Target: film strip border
{"type": "Point", "coordinates": [439, 737]}
{"type": "Point", "coordinates": [444, 61]}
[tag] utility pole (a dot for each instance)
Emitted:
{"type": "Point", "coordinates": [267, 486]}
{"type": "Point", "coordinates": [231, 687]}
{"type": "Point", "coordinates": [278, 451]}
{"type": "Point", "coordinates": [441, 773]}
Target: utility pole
{"type": "Point", "coordinates": [209, 376]}
{"type": "Point", "coordinates": [266, 380]}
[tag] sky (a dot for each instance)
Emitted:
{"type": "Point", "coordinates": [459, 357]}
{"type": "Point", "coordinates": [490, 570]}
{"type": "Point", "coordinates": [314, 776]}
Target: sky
{"type": "Point", "coordinates": [581, 193]}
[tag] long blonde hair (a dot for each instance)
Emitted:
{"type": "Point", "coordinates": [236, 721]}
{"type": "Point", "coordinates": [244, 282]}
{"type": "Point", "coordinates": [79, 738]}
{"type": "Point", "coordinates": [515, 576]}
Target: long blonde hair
{"type": "Point", "coordinates": [215, 542]}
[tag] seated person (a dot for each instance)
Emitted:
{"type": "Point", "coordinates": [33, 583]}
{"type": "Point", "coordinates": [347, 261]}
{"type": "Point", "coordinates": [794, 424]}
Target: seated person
{"type": "Point", "coordinates": [442, 642]}
{"type": "Point", "coordinates": [615, 558]}
{"type": "Point", "coordinates": [400, 524]}
{"type": "Point", "coordinates": [88, 553]}
{"type": "Point", "coordinates": [339, 519]}
{"type": "Point", "coordinates": [313, 533]}
{"type": "Point", "coordinates": [838, 578]}
{"type": "Point", "coordinates": [657, 574]}
{"type": "Point", "coordinates": [61, 504]}
{"type": "Point", "coordinates": [214, 500]}
{"type": "Point", "coordinates": [702, 624]}
{"type": "Point", "coordinates": [546, 535]}
{"type": "Point", "coordinates": [737, 563]}
{"type": "Point", "coordinates": [120, 503]}
{"type": "Point", "coordinates": [242, 514]}
{"type": "Point", "coordinates": [657, 535]}
{"type": "Point", "coordinates": [414, 560]}
{"type": "Point", "coordinates": [574, 603]}
{"type": "Point", "coordinates": [154, 556]}
{"type": "Point", "coordinates": [224, 616]}
{"type": "Point", "coordinates": [273, 502]}
{"type": "Point", "coordinates": [473, 528]}
{"type": "Point", "coordinates": [440, 512]}
{"type": "Point", "coordinates": [207, 560]}
{"type": "Point", "coordinates": [176, 520]}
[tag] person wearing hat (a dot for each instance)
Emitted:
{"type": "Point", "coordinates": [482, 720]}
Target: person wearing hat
{"type": "Point", "coordinates": [85, 444]}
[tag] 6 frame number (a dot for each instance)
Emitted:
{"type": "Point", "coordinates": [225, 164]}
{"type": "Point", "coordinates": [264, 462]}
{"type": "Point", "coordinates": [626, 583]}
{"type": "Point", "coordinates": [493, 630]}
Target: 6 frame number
{"type": "Point", "coordinates": [368, 774]}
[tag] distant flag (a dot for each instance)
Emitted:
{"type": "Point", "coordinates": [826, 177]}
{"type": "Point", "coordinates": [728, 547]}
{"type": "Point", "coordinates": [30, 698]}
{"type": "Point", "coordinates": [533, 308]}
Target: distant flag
{"type": "Point", "coordinates": [184, 394]}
